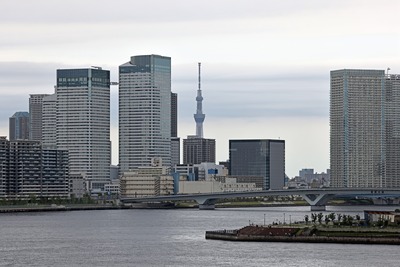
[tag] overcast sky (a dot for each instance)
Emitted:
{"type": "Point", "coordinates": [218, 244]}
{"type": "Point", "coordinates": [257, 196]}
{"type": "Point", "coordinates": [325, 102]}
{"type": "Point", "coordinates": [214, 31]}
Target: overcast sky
{"type": "Point", "coordinates": [265, 64]}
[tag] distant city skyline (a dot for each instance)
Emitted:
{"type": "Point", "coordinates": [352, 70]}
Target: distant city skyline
{"type": "Point", "coordinates": [265, 65]}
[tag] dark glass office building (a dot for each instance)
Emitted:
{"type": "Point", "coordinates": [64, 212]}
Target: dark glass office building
{"type": "Point", "coordinates": [259, 157]}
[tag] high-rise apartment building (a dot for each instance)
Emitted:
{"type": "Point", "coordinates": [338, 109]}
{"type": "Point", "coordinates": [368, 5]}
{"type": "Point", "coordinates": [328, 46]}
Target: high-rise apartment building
{"type": "Point", "coordinates": [19, 126]}
{"type": "Point", "coordinates": [198, 150]}
{"type": "Point", "coordinates": [83, 123]}
{"type": "Point", "coordinates": [35, 116]}
{"type": "Point", "coordinates": [365, 128]}
{"type": "Point", "coordinates": [144, 111]}
{"type": "Point", "coordinates": [259, 158]}
{"type": "Point", "coordinates": [28, 170]}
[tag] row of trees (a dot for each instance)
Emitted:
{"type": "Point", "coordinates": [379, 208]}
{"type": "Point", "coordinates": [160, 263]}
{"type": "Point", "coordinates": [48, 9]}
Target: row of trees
{"type": "Point", "coordinates": [340, 219]}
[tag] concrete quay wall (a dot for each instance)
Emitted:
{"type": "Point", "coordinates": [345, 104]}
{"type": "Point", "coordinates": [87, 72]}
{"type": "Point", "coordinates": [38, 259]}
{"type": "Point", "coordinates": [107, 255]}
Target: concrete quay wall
{"type": "Point", "coordinates": [231, 236]}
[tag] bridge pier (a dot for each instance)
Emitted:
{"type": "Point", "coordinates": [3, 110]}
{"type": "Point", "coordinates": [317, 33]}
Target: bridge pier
{"type": "Point", "coordinates": [206, 207]}
{"type": "Point", "coordinates": [205, 203]}
{"type": "Point", "coordinates": [317, 201]}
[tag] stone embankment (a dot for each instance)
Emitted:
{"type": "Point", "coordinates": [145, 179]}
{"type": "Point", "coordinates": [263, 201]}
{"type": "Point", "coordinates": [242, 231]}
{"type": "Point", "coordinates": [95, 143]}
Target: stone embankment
{"type": "Point", "coordinates": [305, 235]}
{"type": "Point", "coordinates": [12, 209]}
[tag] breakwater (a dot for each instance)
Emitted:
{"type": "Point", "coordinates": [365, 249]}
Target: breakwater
{"type": "Point", "coordinates": [304, 235]}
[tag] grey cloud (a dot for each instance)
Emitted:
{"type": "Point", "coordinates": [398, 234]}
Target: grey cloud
{"type": "Point", "coordinates": [96, 11]}
{"type": "Point", "coordinates": [27, 74]}
{"type": "Point", "coordinates": [293, 94]}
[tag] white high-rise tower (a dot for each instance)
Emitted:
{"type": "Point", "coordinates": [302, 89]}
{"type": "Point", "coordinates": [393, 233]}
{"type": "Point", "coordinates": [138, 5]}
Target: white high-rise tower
{"type": "Point", "coordinates": [83, 123]}
{"type": "Point", "coordinates": [199, 116]}
{"type": "Point", "coordinates": [144, 111]}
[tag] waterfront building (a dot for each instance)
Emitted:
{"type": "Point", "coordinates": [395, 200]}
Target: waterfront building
{"type": "Point", "coordinates": [83, 123]}
{"type": "Point", "coordinates": [77, 186]}
{"type": "Point", "coordinates": [35, 116]}
{"type": "Point", "coordinates": [147, 181]}
{"type": "Point", "coordinates": [19, 126]}
{"type": "Point", "coordinates": [144, 111]}
{"type": "Point", "coordinates": [214, 186]}
{"type": "Point", "coordinates": [259, 157]}
{"type": "Point", "coordinates": [365, 129]}
{"type": "Point", "coordinates": [113, 188]}
{"type": "Point", "coordinates": [27, 170]}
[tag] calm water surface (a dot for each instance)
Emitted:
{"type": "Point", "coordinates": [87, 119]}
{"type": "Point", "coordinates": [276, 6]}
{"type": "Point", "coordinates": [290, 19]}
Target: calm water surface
{"type": "Point", "coordinates": [170, 238]}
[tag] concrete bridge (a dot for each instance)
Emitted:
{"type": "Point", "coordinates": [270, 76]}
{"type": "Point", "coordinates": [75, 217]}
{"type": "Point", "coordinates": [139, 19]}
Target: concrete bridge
{"type": "Point", "coordinates": [317, 198]}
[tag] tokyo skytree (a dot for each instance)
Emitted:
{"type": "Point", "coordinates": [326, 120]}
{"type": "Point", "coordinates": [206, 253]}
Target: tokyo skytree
{"type": "Point", "coordinates": [199, 116]}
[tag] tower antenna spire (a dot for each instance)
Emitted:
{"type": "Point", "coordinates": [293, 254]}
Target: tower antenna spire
{"type": "Point", "coordinates": [199, 116]}
{"type": "Point", "coordinates": [199, 76]}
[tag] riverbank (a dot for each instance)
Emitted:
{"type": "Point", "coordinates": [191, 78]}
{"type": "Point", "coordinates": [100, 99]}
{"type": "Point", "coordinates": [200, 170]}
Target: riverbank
{"type": "Point", "coordinates": [255, 233]}
{"type": "Point", "coordinates": [54, 208]}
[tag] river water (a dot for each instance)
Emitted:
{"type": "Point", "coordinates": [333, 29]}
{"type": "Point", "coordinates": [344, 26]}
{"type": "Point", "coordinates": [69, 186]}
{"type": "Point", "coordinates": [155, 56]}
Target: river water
{"type": "Point", "coordinates": [171, 238]}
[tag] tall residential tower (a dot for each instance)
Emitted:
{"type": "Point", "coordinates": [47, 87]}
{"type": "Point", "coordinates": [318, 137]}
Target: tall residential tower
{"type": "Point", "coordinates": [35, 116]}
{"type": "Point", "coordinates": [365, 128]}
{"type": "Point", "coordinates": [144, 111]}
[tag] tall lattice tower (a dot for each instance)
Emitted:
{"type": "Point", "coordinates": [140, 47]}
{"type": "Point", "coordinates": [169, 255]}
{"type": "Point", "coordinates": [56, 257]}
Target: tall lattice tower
{"type": "Point", "coordinates": [199, 116]}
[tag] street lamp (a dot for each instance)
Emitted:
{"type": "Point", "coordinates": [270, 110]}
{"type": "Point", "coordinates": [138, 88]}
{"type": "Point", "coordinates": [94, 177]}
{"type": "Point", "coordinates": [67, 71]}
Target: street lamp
{"type": "Point", "coordinates": [284, 218]}
{"type": "Point", "coordinates": [264, 219]}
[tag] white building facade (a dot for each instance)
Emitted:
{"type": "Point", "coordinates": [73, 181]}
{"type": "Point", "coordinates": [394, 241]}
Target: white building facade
{"type": "Point", "coordinates": [365, 129]}
{"type": "Point", "coordinates": [144, 111]}
{"type": "Point", "coordinates": [83, 123]}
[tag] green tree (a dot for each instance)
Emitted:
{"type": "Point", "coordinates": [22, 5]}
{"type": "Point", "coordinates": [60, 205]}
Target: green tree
{"type": "Point", "coordinates": [344, 219]}
{"type": "Point", "coordinates": [320, 216]}
{"type": "Point", "coordinates": [306, 218]}
{"type": "Point", "coordinates": [327, 219]}
{"type": "Point", "coordinates": [339, 217]}
{"type": "Point", "coordinates": [350, 220]}
{"type": "Point", "coordinates": [332, 216]}
{"type": "Point", "coordinates": [313, 217]}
